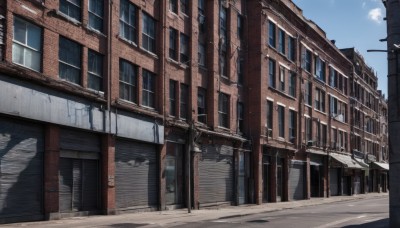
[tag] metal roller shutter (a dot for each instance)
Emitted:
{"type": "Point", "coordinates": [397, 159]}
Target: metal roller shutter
{"type": "Point", "coordinates": [79, 171]}
{"type": "Point", "coordinates": [136, 178]}
{"type": "Point", "coordinates": [79, 185]}
{"type": "Point", "coordinates": [216, 178]}
{"type": "Point", "coordinates": [334, 188]}
{"type": "Point", "coordinates": [296, 180]}
{"type": "Point", "coordinates": [21, 171]}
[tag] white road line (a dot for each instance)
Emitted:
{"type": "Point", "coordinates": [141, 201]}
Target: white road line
{"type": "Point", "coordinates": [340, 221]}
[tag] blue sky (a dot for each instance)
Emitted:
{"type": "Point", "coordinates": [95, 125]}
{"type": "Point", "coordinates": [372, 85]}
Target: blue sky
{"type": "Point", "coordinates": [353, 23]}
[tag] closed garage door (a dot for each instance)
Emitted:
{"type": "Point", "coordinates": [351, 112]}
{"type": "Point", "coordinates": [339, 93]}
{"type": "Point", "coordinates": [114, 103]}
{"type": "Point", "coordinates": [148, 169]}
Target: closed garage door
{"type": "Point", "coordinates": [135, 175]}
{"type": "Point", "coordinates": [296, 180]}
{"type": "Point", "coordinates": [334, 182]}
{"type": "Point", "coordinates": [21, 171]}
{"type": "Point", "coordinates": [216, 174]}
{"type": "Point", "coordinates": [79, 172]}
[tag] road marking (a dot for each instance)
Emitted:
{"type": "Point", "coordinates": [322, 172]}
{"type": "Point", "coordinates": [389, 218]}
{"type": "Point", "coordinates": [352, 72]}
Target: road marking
{"type": "Point", "coordinates": [340, 221]}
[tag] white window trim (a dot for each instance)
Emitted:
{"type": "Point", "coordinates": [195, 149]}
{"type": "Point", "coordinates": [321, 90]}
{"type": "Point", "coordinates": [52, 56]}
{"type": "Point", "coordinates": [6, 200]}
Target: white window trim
{"type": "Point", "coordinates": [280, 104]}
{"type": "Point", "coordinates": [340, 72]}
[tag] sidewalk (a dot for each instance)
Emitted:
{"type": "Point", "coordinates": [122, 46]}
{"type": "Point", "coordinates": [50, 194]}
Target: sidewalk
{"type": "Point", "coordinates": [176, 217]}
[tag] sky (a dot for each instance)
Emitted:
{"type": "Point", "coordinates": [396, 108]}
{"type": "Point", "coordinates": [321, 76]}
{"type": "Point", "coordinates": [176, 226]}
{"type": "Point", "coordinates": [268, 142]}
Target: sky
{"type": "Point", "coordinates": [353, 23]}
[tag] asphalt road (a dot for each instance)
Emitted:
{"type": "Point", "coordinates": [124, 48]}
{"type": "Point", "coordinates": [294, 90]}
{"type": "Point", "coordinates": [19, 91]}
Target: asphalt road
{"type": "Point", "coordinates": [365, 213]}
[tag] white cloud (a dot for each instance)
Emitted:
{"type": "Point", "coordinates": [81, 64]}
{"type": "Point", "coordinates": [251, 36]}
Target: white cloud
{"type": "Point", "coordinates": [375, 15]}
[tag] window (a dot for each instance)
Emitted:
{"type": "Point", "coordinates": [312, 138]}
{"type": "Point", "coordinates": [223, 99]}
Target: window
{"type": "Point", "coordinates": [96, 12]}
{"type": "Point", "coordinates": [149, 33]}
{"type": "Point", "coordinates": [271, 71]}
{"type": "Point", "coordinates": [201, 18]}
{"type": "Point", "coordinates": [319, 69]}
{"type": "Point", "coordinates": [340, 141]}
{"type": "Point", "coordinates": [281, 47]}
{"type": "Point", "coordinates": [127, 81]}
{"type": "Point", "coordinates": [70, 60]}
{"type": "Point", "coordinates": [281, 121]}
{"type": "Point", "coordinates": [240, 27]}
{"type": "Point", "coordinates": [184, 6]}
{"type": "Point", "coordinates": [95, 71]}
{"type": "Point", "coordinates": [334, 139]}
{"type": "Point", "coordinates": [338, 109]}
{"type": "Point", "coordinates": [172, 97]}
{"type": "Point", "coordinates": [223, 110]}
{"type": "Point", "coordinates": [306, 64]}
{"type": "Point", "coordinates": [223, 63]}
{"type": "Point", "coordinates": [333, 77]}
{"type": "Point", "coordinates": [201, 105]}
{"type": "Point", "coordinates": [184, 98]}
{"type": "Point", "coordinates": [292, 84]}
{"type": "Point", "coordinates": [270, 109]}
{"type": "Point", "coordinates": [148, 91]}
{"type": "Point", "coordinates": [201, 54]}
{"type": "Point", "coordinates": [27, 44]}
{"type": "Point", "coordinates": [172, 43]}
{"type": "Point", "coordinates": [307, 93]}
{"type": "Point", "coordinates": [308, 127]}
{"type": "Point", "coordinates": [272, 31]}
{"type": "Point", "coordinates": [240, 116]}
{"type": "Point", "coordinates": [173, 6]}
{"type": "Point", "coordinates": [324, 134]}
{"type": "Point", "coordinates": [292, 126]}
{"type": "Point", "coordinates": [71, 8]}
{"type": "Point", "coordinates": [223, 25]}
{"type": "Point", "coordinates": [127, 21]}
{"type": "Point", "coordinates": [184, 49]}
{"type": "Point", "coordinates": [320, 100]}
{"type": "Point", "coordinates": [240, 66]}
{"type": "Point", "coordinates": [282, 79]}
{"type": "Point", "coordinates": [292, 49]}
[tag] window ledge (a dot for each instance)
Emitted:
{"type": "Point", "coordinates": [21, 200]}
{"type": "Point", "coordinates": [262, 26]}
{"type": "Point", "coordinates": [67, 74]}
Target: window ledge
{"type": "Point", "coordinates": [307, 105]}
{"type": "Point", "coordinates": [203, 67]}
{"type": "Point", "coordinates": [94, 31]}
{"type": "Point", "coordinates": [127, 41]}
{"type": "Point", "coordinates": [319, 111]}
{"type": "Point", "coordinates": [224, 128]}
{"type": "Point", "coordinates": [181, 65]}
{"type": "Point", "coordinates": [282, 93]}
{"type": "Point", "coordinates": [151, 54]}
{"type": "Point", "coordinates": [67, 18]}
{"type": "Point", "coordinates": [97, 92]}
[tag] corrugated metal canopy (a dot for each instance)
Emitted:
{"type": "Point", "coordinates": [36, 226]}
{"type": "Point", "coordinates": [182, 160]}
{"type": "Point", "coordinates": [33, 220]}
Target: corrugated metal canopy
{"type": "Point", "coordinates": [346, 160]}
{"type": "Point", "coordinates": [381, 165]}
{"type": "Point", "coordinates": [362, 163]}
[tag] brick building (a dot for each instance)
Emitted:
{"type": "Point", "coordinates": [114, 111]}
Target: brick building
{"type": "Point", "coordinates": [369, 124]}
{"type": "Point", "coordinates": [136, 105]}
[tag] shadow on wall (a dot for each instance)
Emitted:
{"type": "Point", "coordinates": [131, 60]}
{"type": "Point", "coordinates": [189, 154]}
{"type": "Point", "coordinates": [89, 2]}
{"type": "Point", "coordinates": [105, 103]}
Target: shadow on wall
{"type": "Point", "coordinates": [21, 172]}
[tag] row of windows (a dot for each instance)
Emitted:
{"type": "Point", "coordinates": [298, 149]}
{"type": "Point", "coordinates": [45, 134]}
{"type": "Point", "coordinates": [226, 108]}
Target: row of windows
{"type": "Point", "coordinates": [183, 5]}
{"type": "Point", "coordinates": [291, 122]}
{"type": "Point", "coordinates": [365, 97]}
{"type": "Point", "coordinates": [286, 44]}
{"type": "Point", "coordinates": [73, 9]}
{"type": "Point", "coordinates": [284, 75]}
{"type": "Point", "coordinates": [337, 80]}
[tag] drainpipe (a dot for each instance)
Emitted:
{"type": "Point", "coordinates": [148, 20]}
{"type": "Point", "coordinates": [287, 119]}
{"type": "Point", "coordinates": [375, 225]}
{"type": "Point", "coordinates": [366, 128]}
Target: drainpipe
{"type": "Point", "coordinates": [109, 55]}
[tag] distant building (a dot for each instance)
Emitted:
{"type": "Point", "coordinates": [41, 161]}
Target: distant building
{"type": "Point", "coordinates": [104, 105]}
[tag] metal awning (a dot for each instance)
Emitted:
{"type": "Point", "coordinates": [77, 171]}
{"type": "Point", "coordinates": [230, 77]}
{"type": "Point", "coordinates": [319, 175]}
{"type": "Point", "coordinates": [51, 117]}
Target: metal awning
{"type": "Point", "coordinates": [346, 161]}
{"type": "Point", "coordinates": [381, 165]}
{"type": "Point", "coordinates": [362, 163]}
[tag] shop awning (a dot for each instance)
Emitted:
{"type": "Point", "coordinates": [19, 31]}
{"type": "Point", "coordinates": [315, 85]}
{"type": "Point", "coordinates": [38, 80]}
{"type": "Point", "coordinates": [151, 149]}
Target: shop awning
{"type": "Point", "coordinates": [381, 165]}
{"type": "Point", "coordinates": [346, 161]}
{"type": "Point", "coordinates": [362, 163]}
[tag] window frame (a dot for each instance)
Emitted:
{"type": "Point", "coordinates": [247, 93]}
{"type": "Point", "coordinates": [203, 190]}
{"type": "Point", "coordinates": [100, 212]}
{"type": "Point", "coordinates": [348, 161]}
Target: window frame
{"type": "Point", "coordinates": [25, 45]}
{"type": "Point", "coordinates": [132, 84]}
{"type": "Point", "coordinates": [292, 83]}
{"type": "Point", "coordinates": [281, 121]}
{"type": "Point", "coordinates": [131, 26]}
{"type": "Point", "coordinates": [223, 110]}
{"type": "Point", "coordinates": [96, 15]}
{"type": "Point", "coordinates": [70, 4]}
{"type": "Point", "coordinates": [149, 23]}
{"type": "Point", "coordinates": [272, 73]}
{"type": "Point", "coordinates": [172, 97]}
{"type": "Point", "coordinates": [271, 34]}
{"type": "Point", "coordinates": [281, 41]}
{"type": "Point", "coordinates": [99, 59]}
{"type": "Point", "coordinates": [172, 51]}
{"type": "Point", "coordinates": [68, 65]}
{"type": "Point", "coordinates": [202, 106]}
{"type": "Point", "coordinates": [240, 117]}
{"type": "Point", "coordinates": [149, 88]}
{"type": "Point", "coordinates": [184, 102]}
{"type": "Point", "coordinates": [184, 49]}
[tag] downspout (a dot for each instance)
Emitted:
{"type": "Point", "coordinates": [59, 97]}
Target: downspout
{"type": "Point", "coordinates": [109, 67]}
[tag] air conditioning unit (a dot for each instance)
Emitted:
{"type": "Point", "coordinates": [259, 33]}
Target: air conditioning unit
{"type": "Point", "coordinates": [310, 143]}
{"type": "Point", "coordinates": [292, 140]}
{"type": "Point", "coordinates": [269, 133]}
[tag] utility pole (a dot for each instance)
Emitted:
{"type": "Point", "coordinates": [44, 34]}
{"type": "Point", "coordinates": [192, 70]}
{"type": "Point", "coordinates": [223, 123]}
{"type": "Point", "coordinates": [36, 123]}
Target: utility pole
{"type": "Point", "coordinates": [393, 39]}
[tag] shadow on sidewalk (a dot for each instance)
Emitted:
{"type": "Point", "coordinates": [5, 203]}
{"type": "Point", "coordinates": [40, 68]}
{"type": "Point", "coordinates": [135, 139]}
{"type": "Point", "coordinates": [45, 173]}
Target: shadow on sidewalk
{"type": "Point", "coordinates": [375, 224]}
